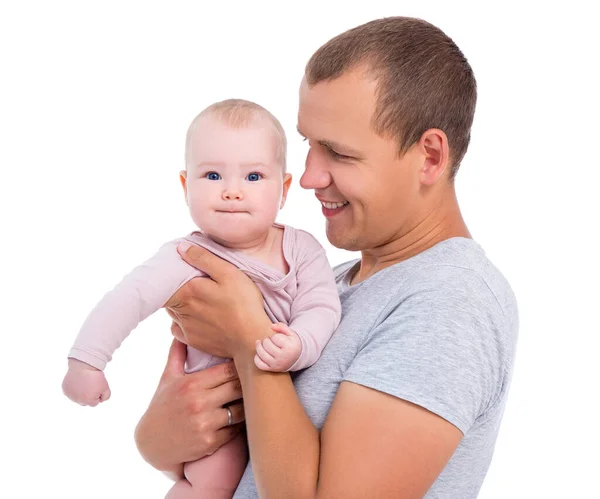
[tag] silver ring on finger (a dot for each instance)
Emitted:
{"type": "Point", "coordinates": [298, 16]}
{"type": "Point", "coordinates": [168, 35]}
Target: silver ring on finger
{"type": "Point", "coordinates": [229, 417]}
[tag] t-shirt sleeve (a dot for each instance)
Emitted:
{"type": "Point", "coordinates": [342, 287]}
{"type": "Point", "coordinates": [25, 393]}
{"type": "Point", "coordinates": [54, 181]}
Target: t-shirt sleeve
{"type": "Point", "coordinates": [438, 345]}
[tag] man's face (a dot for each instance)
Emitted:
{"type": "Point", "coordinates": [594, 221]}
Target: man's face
{"type": "Point", "coordinates": [375, 193]}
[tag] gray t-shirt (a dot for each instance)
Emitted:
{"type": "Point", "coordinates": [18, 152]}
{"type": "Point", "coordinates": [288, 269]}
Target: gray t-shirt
{"type": "Point", "coordinates": [438, 330]}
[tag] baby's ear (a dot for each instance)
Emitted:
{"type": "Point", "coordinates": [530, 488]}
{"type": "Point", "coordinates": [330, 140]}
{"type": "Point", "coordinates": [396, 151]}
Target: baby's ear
{"type": "Point", "coordinates": [183, 180]}
{"type": "Point", "coordinates": [287, 182]}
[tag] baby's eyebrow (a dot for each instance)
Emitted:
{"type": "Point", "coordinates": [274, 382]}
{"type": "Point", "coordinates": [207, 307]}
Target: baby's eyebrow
{"type": "Point", "coordinates": [253, 165]}
{"type": "Point", "coordinates": [222, 164]}
{"type": "Point", "coordinates": [211, 164]}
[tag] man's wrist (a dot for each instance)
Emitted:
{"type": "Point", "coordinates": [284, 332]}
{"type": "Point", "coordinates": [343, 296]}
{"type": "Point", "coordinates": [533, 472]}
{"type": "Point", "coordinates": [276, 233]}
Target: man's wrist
{"type": "Point", "coordinates": [259, 329]}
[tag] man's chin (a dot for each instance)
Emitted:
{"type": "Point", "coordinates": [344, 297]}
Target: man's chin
{"type": "Point", "coordinates": [342, 240]}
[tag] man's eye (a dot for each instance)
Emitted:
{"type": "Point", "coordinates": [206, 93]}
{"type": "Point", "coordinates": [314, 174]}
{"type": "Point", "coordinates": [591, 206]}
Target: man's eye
{"type": "Point", "coordinates": [336, 155]}
{"type": "Point", "coordinates": [253, 177]}
{"type": "Point", "coordinates": [213, 176]}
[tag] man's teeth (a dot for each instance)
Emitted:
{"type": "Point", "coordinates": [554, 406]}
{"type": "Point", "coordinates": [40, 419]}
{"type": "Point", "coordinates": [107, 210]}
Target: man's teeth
{"type": "Point", "coordinates": [333, 206]}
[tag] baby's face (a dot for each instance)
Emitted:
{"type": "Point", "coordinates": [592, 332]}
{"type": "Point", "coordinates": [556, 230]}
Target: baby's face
{"type": "Point", "coordinates": [234, 183]}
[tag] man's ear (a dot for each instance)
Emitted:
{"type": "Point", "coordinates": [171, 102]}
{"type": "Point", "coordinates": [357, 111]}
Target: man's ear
{"type": "Point", "coordinates": [183, 180]}
{"type": "Point", "coordinates": [287, 182]}
{"type": "Point", "coordinates": [436, 155]}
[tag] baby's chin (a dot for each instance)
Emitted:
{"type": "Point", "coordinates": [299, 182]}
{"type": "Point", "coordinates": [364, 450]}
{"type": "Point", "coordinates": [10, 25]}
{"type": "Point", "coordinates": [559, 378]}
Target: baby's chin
{"type": "Point", "coordinates": [237, 236]}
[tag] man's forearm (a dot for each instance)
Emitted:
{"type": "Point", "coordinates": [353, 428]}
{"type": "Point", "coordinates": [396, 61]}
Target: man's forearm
{"type": "Point", "coordinates": [284, 444]}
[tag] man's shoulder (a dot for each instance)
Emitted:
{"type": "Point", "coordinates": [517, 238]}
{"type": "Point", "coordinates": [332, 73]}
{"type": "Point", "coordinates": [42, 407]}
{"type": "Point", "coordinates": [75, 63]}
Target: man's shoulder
{"type": "Point", "coordinates": [455, 276]}
{"type": "Point", "coordinates": [454, 264]}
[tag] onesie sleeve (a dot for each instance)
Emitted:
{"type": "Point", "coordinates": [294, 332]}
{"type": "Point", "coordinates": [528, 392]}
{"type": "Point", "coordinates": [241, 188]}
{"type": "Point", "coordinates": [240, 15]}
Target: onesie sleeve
{"type": "Point", "coordinates": [443, 346]}
{"type": "Point", "coordinates": [139, 294]}
{"type": "Point", "coordinates": [316, 309]}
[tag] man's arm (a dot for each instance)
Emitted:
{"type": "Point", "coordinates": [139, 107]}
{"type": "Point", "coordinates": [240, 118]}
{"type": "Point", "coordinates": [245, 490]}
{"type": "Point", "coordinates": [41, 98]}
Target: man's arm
{"type": "Point", "coordinates": [420, 379]}
{"type": "Point", "coordinates": [372, 444]}
{"type": "Point", "coordinates": [398, 449]}
{"type": "Point", "coordinates": [407, 363]}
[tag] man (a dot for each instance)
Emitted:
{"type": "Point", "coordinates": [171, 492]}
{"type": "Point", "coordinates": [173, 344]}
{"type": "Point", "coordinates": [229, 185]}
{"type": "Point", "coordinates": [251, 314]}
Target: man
{"type": "Point", "coordinates": [408, 396]}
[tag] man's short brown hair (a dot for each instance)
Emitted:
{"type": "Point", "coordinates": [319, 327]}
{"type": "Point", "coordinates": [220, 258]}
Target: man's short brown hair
{"type": "Point", "coordinates": [423, 79]}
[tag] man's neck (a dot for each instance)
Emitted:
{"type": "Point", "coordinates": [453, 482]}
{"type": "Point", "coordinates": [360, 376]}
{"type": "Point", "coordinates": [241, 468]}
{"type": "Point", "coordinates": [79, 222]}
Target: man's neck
{"type": "Point", "coordinates": [438, 224]}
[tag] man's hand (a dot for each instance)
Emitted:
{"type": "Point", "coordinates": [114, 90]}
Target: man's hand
{"type": "Point", "coordinates": [222, 315]}
{"type": "Point", "coordinates": [186, 419]}
{"type": "Point", "coordinates": [280, 351]}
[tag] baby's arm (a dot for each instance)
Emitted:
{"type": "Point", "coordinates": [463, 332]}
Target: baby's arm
{"type": "Point", "coordinates": [316, 313]}
{"type": "Point", "coordinates": [140, 293]}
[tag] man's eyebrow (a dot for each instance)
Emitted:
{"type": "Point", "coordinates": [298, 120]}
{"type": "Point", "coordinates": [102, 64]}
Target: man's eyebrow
{"type": "Point", "coordinates": [339, 148]}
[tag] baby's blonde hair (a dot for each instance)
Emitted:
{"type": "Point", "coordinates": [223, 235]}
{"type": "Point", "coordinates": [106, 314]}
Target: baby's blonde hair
{"type": "Point", "coordinates": [240, 113]}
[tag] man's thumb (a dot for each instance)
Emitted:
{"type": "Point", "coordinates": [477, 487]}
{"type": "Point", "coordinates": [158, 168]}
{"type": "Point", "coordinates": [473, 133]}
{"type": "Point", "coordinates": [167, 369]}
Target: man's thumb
{"type": "Point", "coordinates": [176, 359]}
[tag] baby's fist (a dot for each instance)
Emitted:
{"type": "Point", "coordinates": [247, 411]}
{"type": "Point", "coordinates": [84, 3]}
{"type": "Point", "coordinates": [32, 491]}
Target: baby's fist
{"type": "Point", "coordinates": [280, 351]}
{"type": "Point", "coordinates": [85, 384]}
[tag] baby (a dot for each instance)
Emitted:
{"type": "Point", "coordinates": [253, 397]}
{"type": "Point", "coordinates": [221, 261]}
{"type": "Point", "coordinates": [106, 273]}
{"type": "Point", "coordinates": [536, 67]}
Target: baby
{"type": "Point", "coordinates": [235, 182]}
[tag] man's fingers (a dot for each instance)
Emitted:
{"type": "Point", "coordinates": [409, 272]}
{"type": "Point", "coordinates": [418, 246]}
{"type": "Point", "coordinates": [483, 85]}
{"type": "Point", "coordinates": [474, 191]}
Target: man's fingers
{"type": "Point", "coordinates": [226, 393]}
{"type": "Point", "coordinates": [171, 315]}
{"type": "Point", "coordinates": [227, 433]}
{"type": "Point", "coordinates": [237, 414]}
{"type": "Point", "coordinates": [177, 332]}
{"type": "Point", "coordinates": [205, 261]}
{"type": "Point", "coordinates": [218, 375]}
{"type": "Point", "coordinates": [222, 436]}
{"type": "Point", "coordinates": [176, 359]}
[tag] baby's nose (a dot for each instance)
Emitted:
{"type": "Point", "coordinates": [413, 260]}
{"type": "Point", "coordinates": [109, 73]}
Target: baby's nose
{"type": "Point", "coordinates": [232, 194]}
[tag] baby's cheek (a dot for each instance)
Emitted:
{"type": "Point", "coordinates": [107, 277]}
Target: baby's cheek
{"type": "Point", "coordinates": [200, 214]}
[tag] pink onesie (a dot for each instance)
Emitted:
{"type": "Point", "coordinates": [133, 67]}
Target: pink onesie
{"type": "Point", "coordinates": [306, 298]}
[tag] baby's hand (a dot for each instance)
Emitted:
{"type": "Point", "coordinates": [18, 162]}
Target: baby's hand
{"type": "Point", "coordinates": [280, 351]}
{"type": "Point", "coordinates": [85, 384]}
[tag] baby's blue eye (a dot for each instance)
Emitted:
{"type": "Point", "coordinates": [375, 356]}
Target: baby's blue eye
{"type": "Point", "coordinates": [253, 177]}
{"type": "Point", "coordinates": [213, 176]}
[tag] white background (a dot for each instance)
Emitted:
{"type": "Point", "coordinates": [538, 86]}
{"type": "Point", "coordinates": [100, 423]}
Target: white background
{"type": "Point", "coordinates": [94, 104]}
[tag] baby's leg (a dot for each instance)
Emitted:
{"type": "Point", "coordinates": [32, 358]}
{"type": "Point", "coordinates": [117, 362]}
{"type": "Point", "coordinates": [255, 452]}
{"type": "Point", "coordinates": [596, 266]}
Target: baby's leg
{"type": "Point", "coordinates": [216, 476]}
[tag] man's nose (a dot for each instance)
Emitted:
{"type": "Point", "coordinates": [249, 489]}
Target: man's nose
{"type": "Point", "coordinates": [316, 175]}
